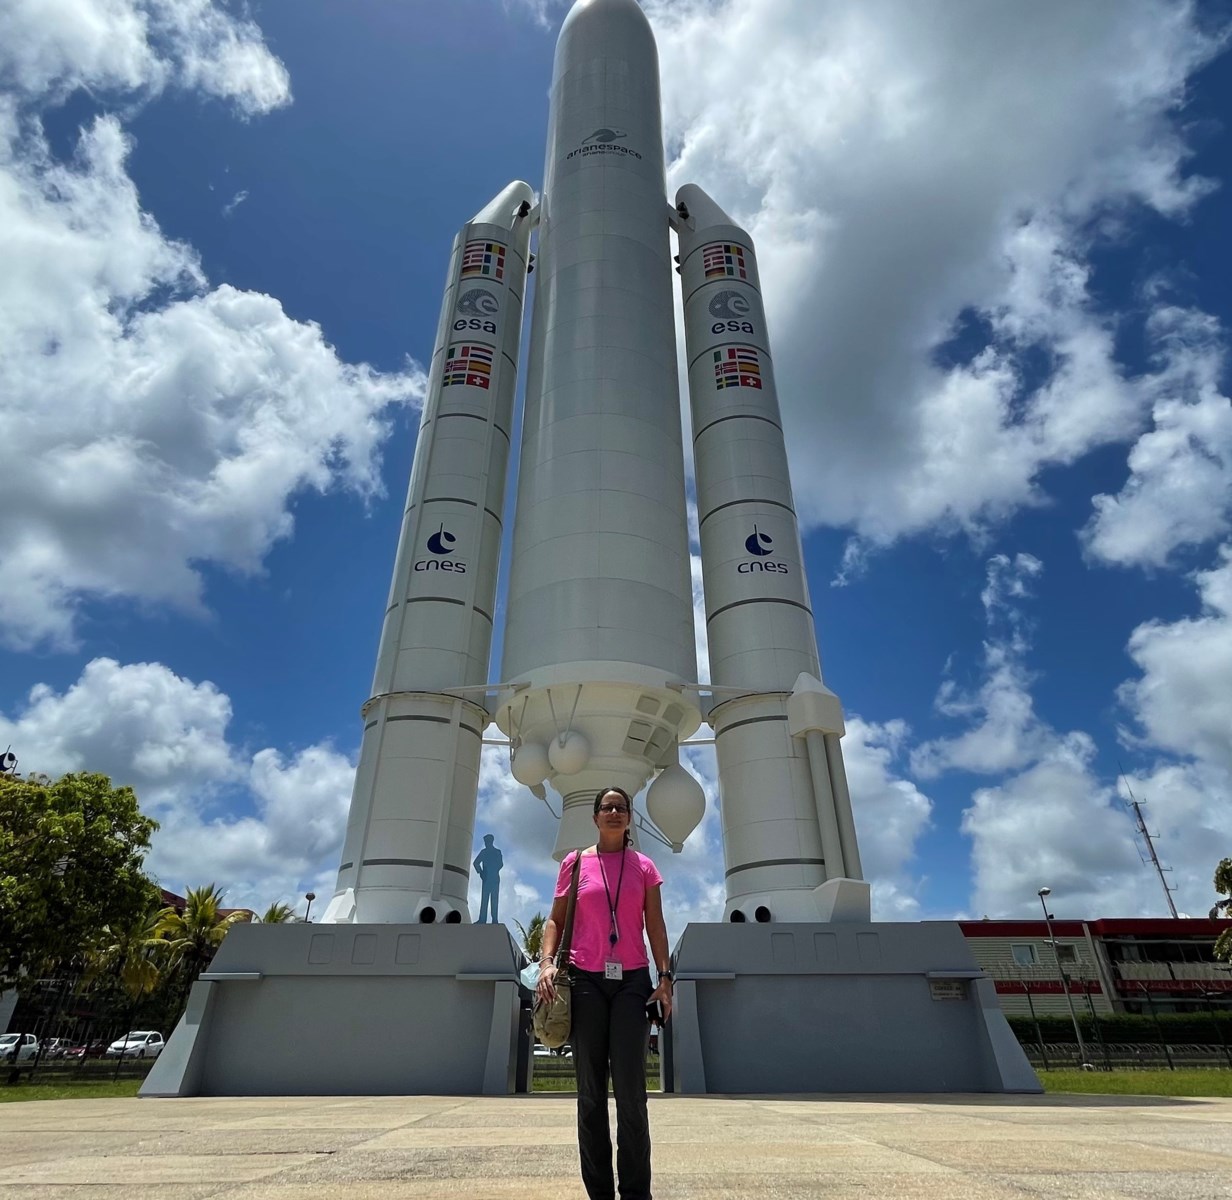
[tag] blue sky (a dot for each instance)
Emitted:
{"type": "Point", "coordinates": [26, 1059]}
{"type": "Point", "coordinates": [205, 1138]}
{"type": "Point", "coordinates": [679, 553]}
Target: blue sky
{"type": "Point", "coordinates": [996, 264]}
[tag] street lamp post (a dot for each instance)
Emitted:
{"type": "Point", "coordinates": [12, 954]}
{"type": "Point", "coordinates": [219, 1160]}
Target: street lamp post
{"type": "Point", "coordinates": [310, 897]}
{"type": "Point", "coordinates": [1056, 954]}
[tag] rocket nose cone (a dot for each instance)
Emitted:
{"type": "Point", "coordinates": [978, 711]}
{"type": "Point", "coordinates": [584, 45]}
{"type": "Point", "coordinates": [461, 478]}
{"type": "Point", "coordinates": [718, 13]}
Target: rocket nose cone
{"type": "Point", "coordinates": [604, 12]}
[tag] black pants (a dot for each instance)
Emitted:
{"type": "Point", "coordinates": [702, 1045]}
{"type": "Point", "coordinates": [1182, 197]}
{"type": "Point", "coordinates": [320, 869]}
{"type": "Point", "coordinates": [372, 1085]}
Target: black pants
{"type": "Point", "coordinates": [609, 1029]}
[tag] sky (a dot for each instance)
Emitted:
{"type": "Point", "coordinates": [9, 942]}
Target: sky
{"type": "Point", "coordinates": [998, 275]}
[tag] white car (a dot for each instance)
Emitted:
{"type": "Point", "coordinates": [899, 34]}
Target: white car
{"type": "Point", "coordinates": [141, 1043]}
{"type": "Point", "coordinates": [18, 1047]}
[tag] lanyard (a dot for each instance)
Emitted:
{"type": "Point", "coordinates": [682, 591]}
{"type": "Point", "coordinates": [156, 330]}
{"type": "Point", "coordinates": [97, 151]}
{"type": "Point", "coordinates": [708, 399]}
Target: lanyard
{"type": "Point", "coordinates": [614, 936]}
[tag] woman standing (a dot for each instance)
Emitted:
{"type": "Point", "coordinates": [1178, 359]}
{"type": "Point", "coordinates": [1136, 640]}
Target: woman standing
{"type": "Point", "coordinates": [618, 901]}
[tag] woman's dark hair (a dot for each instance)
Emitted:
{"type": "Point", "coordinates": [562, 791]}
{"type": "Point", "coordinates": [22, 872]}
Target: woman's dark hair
{"type": "Point", "coordinates": [628, 805]}
{"type": "Point", "coordinates": [619, 791]}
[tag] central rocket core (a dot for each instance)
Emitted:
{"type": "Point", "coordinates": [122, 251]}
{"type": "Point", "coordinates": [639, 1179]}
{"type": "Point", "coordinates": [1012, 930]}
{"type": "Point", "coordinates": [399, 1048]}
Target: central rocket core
{"type": "Point", "coordinates": [600, 606]}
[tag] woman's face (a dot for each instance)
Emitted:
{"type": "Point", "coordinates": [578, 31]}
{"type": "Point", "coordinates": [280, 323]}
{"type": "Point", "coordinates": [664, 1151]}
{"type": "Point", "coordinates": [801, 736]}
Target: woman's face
{"type": "Point", "coordinates": [613, 815]}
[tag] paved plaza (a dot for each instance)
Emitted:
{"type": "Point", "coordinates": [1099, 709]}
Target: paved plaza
{"type": "Point", "coordinates": [519, 1148]}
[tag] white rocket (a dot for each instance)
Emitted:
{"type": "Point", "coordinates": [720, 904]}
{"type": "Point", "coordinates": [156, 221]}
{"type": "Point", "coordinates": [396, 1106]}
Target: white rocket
{"type": "Point", "coordinates": [598, 684]}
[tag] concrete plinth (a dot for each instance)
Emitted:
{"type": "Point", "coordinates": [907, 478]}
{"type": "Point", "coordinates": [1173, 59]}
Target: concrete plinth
{"type": "Point", "coordinates": [844, 1007]}
{"type": "Point", "coordinates": [333, 1010]}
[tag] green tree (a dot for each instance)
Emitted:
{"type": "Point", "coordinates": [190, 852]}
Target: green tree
{"type": "Point", "coordinates": [71, 857]}
{"type": "Point", "coordinates": [532, 935]}
{"type": "Point", "coordinates": [194, 935]}
{"type": "Point", "coordinates": [1223, 884]}
{"type": "Point", "coordinates": [133, 953]}
{"type": "Point", "coordinates": [278, 913]}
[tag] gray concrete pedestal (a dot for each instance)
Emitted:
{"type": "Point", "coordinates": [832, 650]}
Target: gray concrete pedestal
{"type": "Point", "coordinates": [843, 1007]}
{"type": "Point", "coordinates": [335, 1010]}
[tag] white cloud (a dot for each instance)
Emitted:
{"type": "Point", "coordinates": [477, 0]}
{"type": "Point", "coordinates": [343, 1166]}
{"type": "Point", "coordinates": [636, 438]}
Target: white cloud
{"type": "Point", "coordinates": [1184, 810]}
{"type": "Point", "coordinates": [151, 423]}
{"type": "Point", "coordinates": [1179, 491]}
{"type": "Point", "coordinates": [891, 815]}
{"type": "Point", "coordinates": [1181, 701]}
{"type": "Point", "coordinates": [1055, 825]}
{"type": "Point", "coordinates": [261, 826]}
{"type": "Point", "coordinates": [909, 169]}
{"type": "Point", "coordinates": [139, 723]}
{"type": "Point", "coordinates": [1049, 820]}
{"type": "Point", "coordinates": [52, 47]}
{"type": "Point", "coordinates": [234, 202]}
{"type": "Point", "coordinates": [1004, 732]}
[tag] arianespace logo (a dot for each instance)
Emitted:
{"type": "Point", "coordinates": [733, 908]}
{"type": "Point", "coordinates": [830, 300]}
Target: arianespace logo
{"type": "Point", "coordinates": [441, 544]}
{"type": "Point", "coordinates": [761, 547]}
{"type": "Point", "coordinates": [603, 141]}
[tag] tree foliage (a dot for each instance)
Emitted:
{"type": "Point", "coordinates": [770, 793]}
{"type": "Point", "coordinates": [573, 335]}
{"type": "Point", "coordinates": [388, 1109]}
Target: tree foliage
{"type": "Point", "coordinates": [1223, 885]}
{"type": "Point", "coordinates": [71, 855]}
{"type": "Point", "coordinates": [532, 935]}
{"type": "Point", "coordinates": [132, 954]}
{"type": "Point", "coordinates": [194, 935]}
{"type": "Point", "coordinates": [278, 913]}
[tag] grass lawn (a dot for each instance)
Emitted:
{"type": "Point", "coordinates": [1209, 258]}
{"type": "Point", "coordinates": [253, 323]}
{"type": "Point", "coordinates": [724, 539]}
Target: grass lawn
{"type": "Point", "coordinates": [1140, 1083]}
{"type": "Point", "coordinates": [88, 1089]}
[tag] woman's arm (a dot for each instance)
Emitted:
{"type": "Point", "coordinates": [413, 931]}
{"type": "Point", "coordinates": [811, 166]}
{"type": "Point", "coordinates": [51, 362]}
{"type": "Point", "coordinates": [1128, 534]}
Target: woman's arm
{"type": "Point", "coordinates": [547, 947]}
{"type": "Point", "coordinates": [656, 933]}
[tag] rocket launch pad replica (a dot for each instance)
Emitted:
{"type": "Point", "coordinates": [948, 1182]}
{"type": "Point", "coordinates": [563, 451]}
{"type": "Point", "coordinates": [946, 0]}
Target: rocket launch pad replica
{"type": "Point", "coordinates": [395, 990]}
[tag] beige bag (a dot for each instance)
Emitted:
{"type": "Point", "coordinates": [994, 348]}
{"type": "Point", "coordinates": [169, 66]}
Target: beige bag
{"type": "Point", "coordinates": [553, 1021]}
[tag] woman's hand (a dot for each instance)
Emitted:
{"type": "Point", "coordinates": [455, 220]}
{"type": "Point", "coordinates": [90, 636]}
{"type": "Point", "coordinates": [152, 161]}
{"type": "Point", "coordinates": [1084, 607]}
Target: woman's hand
{"type": "Point", "coordinates": [546, 991]}
{"type": "Point", "coordinates": [662, 994]}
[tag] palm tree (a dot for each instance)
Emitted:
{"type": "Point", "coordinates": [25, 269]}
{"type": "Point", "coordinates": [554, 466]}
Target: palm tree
{"type": "Point", "coordinates": [194, 935]}
{"type": "Point", "coordinates": [532, 935]}
{"type": "Point", "coordinates": [278, 913]}
{"type": "Point", "coordinates": [130, 953]}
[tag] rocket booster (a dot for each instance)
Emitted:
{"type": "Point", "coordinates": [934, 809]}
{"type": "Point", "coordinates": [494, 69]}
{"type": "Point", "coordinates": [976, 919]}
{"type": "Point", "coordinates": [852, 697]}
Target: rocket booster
{"type": "Point", "coordinates": [407, 851]}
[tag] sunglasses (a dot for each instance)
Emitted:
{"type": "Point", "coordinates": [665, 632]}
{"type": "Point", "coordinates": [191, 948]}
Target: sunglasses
{"type": "Point", "coordinates": [612, 808]}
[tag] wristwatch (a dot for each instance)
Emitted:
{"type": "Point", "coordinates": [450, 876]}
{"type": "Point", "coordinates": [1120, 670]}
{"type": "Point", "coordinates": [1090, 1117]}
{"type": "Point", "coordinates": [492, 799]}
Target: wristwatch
{"type": "Point", "coordinates": [670, 976]}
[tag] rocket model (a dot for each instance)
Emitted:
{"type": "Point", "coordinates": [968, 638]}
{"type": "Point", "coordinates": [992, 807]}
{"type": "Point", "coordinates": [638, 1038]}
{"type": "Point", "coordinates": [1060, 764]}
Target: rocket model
{"type": "Point", "coordinates": [598, 684]}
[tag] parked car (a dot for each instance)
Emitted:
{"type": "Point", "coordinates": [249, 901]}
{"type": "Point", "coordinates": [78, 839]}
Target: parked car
{"type": "Point", "coordinates": [82, 1050]}
{"type": "Point", "coordinates": [55, 1047]}
{"type": "Point", "coordinates": [141, 1043]}
{"type": "Point", "coordinates": [18, 1047]}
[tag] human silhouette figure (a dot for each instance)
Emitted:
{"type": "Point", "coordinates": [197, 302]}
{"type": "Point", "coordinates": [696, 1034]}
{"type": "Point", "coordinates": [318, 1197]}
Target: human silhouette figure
{"type": "Point", "coordinates": [488, 863]}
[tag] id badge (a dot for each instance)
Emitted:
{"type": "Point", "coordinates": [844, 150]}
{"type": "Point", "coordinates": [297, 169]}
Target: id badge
{"type": "Point", "coordinates": [613, 970]}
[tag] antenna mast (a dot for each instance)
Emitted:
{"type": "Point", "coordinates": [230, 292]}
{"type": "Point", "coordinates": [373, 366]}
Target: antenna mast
{"type": "Point", "coordinates": [1149, 838]}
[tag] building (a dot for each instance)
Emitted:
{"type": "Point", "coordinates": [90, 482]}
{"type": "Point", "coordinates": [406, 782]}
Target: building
{"type": "Point", "coordinates": [1128, 964]}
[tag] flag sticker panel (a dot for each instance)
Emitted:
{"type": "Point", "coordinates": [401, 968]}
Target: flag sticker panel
{"type": "Point", "coordinates": [483, 260]}
{"type": "Point", "coordinates": [724, 260]}
{"type": "Point", "coordinates": [468, 365]}
{"type": "Point", "coordinates": [737, 366]}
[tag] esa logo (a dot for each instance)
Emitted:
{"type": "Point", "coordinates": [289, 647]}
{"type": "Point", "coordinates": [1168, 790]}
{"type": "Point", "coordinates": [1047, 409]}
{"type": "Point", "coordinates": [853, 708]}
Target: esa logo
{"type": "Point", "coordinates": [477, 308]}
{"type": "Point", "coordinates": [732, 309]}
{"type": "Point", "coordinates": [441, 544]}
{"type": "Point", "coordinates": [759, 545]}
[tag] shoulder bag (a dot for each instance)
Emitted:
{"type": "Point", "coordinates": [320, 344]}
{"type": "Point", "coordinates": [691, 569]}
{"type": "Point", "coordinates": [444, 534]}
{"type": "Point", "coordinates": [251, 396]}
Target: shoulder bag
{"type": "Point", "coordinates": [552, 1020]}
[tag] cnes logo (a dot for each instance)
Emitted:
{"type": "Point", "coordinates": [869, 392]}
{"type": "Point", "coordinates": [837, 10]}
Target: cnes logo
{"type": "Point", "coordinates": [761, 546]}
{"type": "Point", "coordinates": [441, 543]}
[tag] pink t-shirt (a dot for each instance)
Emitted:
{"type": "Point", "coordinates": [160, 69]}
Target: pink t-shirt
{"type": "Point", "coordinates": [592, 921]}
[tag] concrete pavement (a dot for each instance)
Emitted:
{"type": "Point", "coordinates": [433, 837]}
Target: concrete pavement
{"type": "Point", "coordinates": [516, 1148]}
